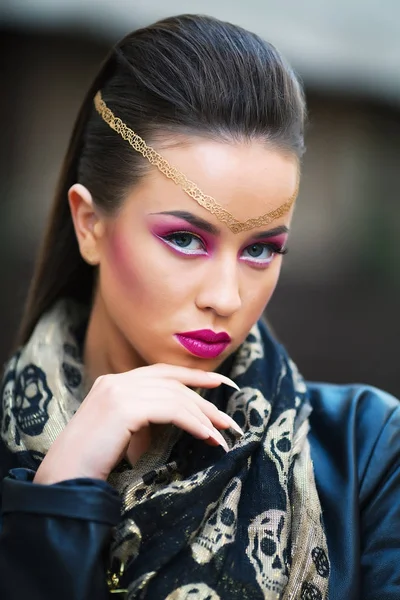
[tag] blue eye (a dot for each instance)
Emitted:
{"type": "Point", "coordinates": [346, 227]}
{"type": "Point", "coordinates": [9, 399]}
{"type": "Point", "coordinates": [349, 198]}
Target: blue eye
{"type": "Point", "coordinates": [261, 254]}
{"type": "Point", "coordinates": [185, 242]}
{"type": "Point", "coordinates": [259, 251]}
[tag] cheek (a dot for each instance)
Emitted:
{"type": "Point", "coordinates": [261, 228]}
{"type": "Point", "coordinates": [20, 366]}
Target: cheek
{"type": "Point", "coordinates": [126, 274]}
{"type": "Point", "coordinates": [140, 275]}
{"type": "Point", "coordinates": [122, 262]}
{"type": "Point", "coordinates": [261, 291]}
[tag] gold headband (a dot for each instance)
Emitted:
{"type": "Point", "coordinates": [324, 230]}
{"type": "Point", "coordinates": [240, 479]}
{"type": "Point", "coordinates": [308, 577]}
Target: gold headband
{"type": "Point", "coordinates": [207, 202]}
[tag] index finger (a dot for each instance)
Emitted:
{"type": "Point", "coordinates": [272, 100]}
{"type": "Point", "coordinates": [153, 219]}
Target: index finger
{"type": "Point", "coordinates": [190, 377]}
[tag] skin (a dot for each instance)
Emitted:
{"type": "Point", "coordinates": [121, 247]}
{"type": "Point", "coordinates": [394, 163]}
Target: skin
{"type": "Point", "coordinates": [155, 282]}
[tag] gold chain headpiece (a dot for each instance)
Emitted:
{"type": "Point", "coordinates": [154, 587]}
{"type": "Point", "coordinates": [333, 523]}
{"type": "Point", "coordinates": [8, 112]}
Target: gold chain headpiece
{"type": "Point", "coordinates": [207, 202]}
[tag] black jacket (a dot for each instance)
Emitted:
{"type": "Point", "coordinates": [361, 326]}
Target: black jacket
{"type": "Point", "coordinates": [54, 539]}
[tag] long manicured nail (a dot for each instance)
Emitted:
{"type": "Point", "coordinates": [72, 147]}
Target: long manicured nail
{"type": "Point", "coordinates": [224, 444]}
{"type": "Point", "coordinates": [215, 435]}
{"type": "Point", "coordinates": [232, 424]}
{"type": "Point", "coordinates": [225, 379]}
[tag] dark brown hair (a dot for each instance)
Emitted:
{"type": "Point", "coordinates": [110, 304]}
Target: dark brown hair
{"type": "Point", "coordinates": [191, 75]}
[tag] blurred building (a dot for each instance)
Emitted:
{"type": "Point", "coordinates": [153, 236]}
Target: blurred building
{"type": "Point", "coordinates": [337, 306]}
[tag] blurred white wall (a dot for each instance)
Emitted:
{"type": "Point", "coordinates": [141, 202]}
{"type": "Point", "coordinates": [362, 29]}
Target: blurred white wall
{"type": "Point", "coordinates": [353, 44]}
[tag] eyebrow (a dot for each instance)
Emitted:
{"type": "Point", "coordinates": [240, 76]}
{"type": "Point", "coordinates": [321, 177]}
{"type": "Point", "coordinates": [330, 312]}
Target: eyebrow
{"type": "Point", "coordinates": [210, 228]}
{"type": "Point", "coordinates": [193, 220]}
{"type": "Point", "coordinates": [271, 232]}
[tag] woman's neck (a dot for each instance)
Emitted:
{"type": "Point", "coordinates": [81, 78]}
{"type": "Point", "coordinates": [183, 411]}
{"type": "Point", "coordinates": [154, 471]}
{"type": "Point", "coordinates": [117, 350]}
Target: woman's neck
{"type": "Point", "coordinates": [105, 349]}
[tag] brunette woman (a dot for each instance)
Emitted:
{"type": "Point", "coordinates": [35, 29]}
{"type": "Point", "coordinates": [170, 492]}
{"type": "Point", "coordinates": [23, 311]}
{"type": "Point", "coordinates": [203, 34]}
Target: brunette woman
{"type": "Point", "coordinates": [156, 440]}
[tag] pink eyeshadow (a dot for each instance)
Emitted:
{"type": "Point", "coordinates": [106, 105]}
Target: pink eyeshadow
{"type": "Point", "coordinates": [279, 240]}
{"type": "Point", "coordinates": [164, 226]}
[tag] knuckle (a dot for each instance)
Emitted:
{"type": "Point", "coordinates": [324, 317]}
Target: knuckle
{"type": "Point", "coordinates": [162, 366]}
{"type": "Point", "coordinates": [106, 385]}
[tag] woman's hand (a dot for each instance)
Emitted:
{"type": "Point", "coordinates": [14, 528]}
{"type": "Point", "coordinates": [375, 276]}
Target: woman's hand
{"type": "Point", "coordinates": [115, 418]}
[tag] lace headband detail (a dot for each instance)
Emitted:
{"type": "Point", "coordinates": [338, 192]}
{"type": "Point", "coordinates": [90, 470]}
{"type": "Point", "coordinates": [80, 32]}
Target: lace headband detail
{"type": "Point", "coordinates": [207, 202]}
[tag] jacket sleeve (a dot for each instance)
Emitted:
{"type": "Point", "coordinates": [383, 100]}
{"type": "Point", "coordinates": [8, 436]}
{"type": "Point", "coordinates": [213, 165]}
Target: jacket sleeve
{"type": "Point", "coordinates": [380, 516]}
{"type": "Point", "coordinates": [54, 539]}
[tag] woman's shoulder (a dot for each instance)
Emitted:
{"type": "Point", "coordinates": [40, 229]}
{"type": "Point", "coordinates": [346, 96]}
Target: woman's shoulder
{"type": "Point", "coordinates": [357, 428]}
{"type": "Point", "coordinates": [363, 405]}
{"type": "Point", "coordinates": [355, 447]}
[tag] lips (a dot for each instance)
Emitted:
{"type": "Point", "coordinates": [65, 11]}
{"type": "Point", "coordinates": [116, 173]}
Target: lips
{"type": "Point", "coordinates": [207, 335]}
{"type": "Point", "coordinates": [204, 343]}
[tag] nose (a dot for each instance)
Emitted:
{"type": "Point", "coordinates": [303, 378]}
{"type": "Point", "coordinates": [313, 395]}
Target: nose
{"type": "Point", "coordinates": [220, 289]}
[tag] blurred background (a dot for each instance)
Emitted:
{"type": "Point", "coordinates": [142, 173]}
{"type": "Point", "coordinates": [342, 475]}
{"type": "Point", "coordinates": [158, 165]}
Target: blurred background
{"type": "Point", "coordinates": [338, 303]}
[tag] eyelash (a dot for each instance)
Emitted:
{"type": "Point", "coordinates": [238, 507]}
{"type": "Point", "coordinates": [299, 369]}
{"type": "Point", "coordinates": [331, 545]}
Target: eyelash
{"type": "Point", "coordinates": [272, 247]}
{"type": "Point", "coordinates": [171, 236]}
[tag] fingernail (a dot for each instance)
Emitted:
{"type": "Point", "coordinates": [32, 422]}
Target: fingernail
{"type": "Point", "coordinates": [225, 379]}
{"type": "Point", "coordinates": [232, 423]}
{"type": "Point", "coordinates": [236, 427]}
{"type": "Point", "coordinates": [208, 431]}
{"type": "Point", "coordinates": [218, 438]}
{"type": "Point", "coordinates": [224, 445]}
{"type": "Point", "coordinates": [223, 442]}
{"type": "Point", "coordinates": [215, 435]}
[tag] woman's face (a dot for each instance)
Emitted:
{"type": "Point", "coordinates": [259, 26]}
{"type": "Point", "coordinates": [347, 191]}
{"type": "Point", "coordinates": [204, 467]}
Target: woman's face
{"type": "Point", "coordinates": [169, 267]}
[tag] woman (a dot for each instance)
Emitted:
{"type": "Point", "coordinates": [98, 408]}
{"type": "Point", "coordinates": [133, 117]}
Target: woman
{"type": "Point", "coordinates": [157, 441]}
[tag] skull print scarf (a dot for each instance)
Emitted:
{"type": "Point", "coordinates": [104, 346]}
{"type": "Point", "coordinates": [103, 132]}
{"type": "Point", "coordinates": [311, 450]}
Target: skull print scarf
{"type": "Point", "coordinates": [196, 522]}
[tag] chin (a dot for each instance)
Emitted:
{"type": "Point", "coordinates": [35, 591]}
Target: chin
{"type": "Point", "coordinates": [190, 362]}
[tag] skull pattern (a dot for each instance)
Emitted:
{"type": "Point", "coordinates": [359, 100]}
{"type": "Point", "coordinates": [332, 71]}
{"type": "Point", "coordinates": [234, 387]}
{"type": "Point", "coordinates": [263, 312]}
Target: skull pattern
{"type": "Point", "coordinates": [72, 375]}
{"type": "Point", "coordinates": [127, 541]}
{"type": "Point", "coordinates": [182, 486]}
{"type": "Point", "coordinates": [210, 532]}
{"type": "Point", "coordinates": [193, 591]}
{"type": "Point", "coordinates": [309, 591]}
{"type": "Point", "coordinates": [32, 397]}
{"type": "Point", "coordinates": [7, 395]}
{"type": "Point", "coordinates": [149, 484]}
{"type": "Point", "coordinates": [277, 444]}
{"type": "Point", "coordinates": [251, 350]}
{"type": "Point", "coordinates": [219, 524]}
{"type": "Point", "coordinates": [267, 549]}
{"type": "Point", "coordinates": [250, 410]}
{"type": "Point", "coordinates": [321, 561]}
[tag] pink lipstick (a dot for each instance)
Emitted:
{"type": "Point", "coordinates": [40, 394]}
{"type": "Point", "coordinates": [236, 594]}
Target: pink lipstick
{"type": "Point", "coordinates": [204, 343]}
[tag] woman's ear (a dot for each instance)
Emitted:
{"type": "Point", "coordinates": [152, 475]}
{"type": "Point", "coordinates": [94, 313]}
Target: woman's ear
{"type": "Point", "coordinates": [89, 227]}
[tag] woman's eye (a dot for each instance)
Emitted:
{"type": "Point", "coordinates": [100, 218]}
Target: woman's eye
{"type": "Point", "coordinates": [185, 242]}
{"type": "Point", "coordinates": [259, 253]}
